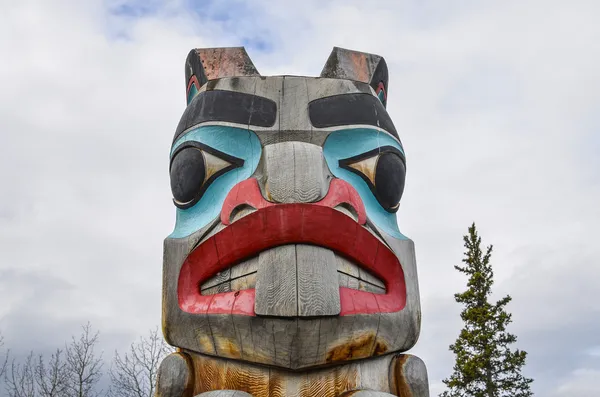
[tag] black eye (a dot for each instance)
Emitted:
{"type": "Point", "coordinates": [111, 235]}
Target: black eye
{"type": "Point", "coordinates": [187, 174]}
{"type": "Point", "coordinates": [389, 179]}
{"type": "Point", "coordinates": [193, 168]}
{"type": "Point", "coordinates": [384, 171]}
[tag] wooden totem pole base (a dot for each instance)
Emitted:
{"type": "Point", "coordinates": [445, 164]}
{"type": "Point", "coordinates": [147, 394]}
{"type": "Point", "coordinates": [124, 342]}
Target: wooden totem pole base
{"type": "Point", "coordinates": [187, 374]}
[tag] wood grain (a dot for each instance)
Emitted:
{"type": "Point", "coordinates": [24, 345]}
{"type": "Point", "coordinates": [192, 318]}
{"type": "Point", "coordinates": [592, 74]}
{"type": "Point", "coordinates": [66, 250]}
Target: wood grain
{"type": "Point", "coordinates": [280, 172]}
{"type": "Point", "coordinates": [294, 106]}
{"type": "Point", "coordinates": [260, 381]}
{"type": "Point", "coordinates": [224, 393]}
{"type": "Point", "coordinates": [318, 285]}
{"type": "Point", "coordinates": [175, 377]}
{"type": "Point", "coordinates": [219, 278]}
{"type": "Point", "coordinates": [225, 336]}
{"type": "Point", "coordinates": [246, 267]}
{"type": "Point", "coordinates": [295, 173]}
{"type": "Point", "coordinates": [245, 282]}
{"type": "Point", "coordinates": [369, 278]}
{"type": "Point", "coordinates": [408, 376]}
{"type": "Point", "coordinates": [276, 293]}
{"type": "Point", "coordinates": [346, 266]}
{"type": "Point", "coordinates": [310, 184]}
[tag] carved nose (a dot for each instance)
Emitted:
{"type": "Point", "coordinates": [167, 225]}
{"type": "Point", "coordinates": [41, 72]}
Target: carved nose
{"type": "Point", "coordinates": [294, 172]}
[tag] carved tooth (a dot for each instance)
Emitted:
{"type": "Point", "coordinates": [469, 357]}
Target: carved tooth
{"type": "Point", "coordinates": [239, 277]}
{"type": "Point", "coordinates": [369, 278]}
{"type": "Point", "coordinates": [246, 267]}
{"type": "Point", "coordinates": [245, 282]}
{"type": "Point", "coordinates": [364, 286]}
{"type": "Point", "coordinates": [219, 278]}
{"type": "Point", "coordinates": [217, 289]}
{"type": "Point", "coordinates": [355, 277]}
{"type": "Point", "coordinates": [346, 266]}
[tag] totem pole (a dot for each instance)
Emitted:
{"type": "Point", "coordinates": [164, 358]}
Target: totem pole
{"type": "Point", "coordinates": [286, 273]}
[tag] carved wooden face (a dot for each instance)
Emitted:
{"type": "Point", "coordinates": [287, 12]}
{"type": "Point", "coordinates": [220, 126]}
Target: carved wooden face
{"type": "Point", "coordinates": [286, 249]}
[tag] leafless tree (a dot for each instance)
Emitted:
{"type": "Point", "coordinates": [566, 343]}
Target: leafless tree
{"type": "Point", "coordinates": [51, 377]}
{"type": "Point", "coordinates": [134, 373]}
{"type": "Point", "coordinates": [3, 361]}
{"type": "Point", "coordinates": [20, 379]}
{"type": "Point", "coordinates": [83, 366]}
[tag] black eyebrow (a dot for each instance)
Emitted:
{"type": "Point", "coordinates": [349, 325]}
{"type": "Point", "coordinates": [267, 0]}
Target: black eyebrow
{"type": "Point", "coordinates": [346, 109]}
{"type": "Point", "coordinates": [230, 106]}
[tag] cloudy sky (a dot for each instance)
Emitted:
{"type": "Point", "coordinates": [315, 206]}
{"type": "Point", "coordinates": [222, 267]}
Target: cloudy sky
{"type": "Point", "coordinates": [497, 104]}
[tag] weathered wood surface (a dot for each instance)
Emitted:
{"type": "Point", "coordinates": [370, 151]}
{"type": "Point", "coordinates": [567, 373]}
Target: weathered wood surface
{"type": "Point", "coordinates": [351, 65]}
{"type": "Point", "coordinates": [408, 376]}
{"type": "Point", "coordinates": [279, 164]}
{"type": "Point", "coordinates": [175, 377]}
{"type": "Point", "coordinates": [179, 328]}
{"type": "Point", "coordinates": [294, 173]}
{"type": "Point", "coordinates": [225, 62]}
{"type": "Point", "coordinates": [310, 180]}
{"type": "Point", "coordinates": [294, 107]}
{"type": "Point", "coordinates": [276, 292]}
{"type": "Point", "coordinates": [400, 330]}
{"type": "Point", "coordinates": [352, 276]}
{"type": "Point", "coordinates": [224, 393]}
{"type": "Point", "coordinates": [318, 286]}
{"type": "Point", "coordinates": [219, 278]}
{"type": "Point", "coordinates": [189, 374]}
{"type": "Point", "coordinates": [239, 277]}
{"type": "Point", "coordinates": [214, 374]}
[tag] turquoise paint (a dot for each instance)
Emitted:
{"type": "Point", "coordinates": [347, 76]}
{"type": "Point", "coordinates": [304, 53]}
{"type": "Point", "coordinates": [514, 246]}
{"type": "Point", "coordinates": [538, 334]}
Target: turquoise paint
{"type": "Point", "coordinates": [193, 92]}
{"type": "Point", "coordinates": [236, 142]}
{"type": "Point", "coordinates": [381, 96]}
{"type": "Point", "coordinates": [352, 142]}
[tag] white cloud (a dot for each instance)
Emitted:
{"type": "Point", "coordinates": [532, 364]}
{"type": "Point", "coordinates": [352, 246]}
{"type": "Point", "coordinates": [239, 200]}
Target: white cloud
{"type": "Point", "coordinates": [583, 383]}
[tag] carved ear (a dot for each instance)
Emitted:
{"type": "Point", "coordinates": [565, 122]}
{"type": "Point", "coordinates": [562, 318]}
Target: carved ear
{"type": "Point", "coordinates": [204, 64]}
{"type": "Point", "coordinates": [359, 66]}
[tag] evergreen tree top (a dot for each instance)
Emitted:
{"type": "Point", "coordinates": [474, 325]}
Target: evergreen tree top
{"type": "Point", "coordinates": [485, 365]}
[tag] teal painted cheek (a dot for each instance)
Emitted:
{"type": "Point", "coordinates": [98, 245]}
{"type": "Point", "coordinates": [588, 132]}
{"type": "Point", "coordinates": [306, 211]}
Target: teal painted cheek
{"type": "Point", "coordinates": [352, 142]}
{"type": "Point", "coordinates": [243, 144]}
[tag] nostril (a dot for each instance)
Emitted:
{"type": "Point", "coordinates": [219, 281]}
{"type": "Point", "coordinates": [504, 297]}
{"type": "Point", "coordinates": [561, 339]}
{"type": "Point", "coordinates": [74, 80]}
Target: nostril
{"type": "Point", "coordinates": [243, 199]}
{"type": "Point", "coordinates": [344, 198]}
{"type": "Point", "coordinates": [240, 211]}
{"type": "Point", "coordinates": [347, 209]}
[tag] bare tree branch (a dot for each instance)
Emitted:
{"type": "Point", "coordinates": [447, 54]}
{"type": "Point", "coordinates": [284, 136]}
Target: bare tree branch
{"type": "Point", "coordinates": [3, 362]}
{"type": "Point", "coordinates": [134, 373]}
{"type": "Point", "coordinates": [52, 377]}
{"type": "Point", "coordinates": [20, 380]}
{"type": "Point", "coordinates": [83, 367]}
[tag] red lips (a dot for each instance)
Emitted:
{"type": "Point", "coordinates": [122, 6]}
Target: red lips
{"type": "Point", "coordinates": [280, 224]}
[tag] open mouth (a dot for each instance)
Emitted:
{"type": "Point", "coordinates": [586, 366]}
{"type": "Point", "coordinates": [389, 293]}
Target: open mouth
{"type": "Point", "coordinates": [220, 274]}
{"type": "Point", "coordinates": [243, 276]}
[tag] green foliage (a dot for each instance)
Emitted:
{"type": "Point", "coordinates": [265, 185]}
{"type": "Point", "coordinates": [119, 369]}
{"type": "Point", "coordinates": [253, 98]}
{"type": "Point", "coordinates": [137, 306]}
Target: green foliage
{"type": "Point", "coordinates": [485, 366]}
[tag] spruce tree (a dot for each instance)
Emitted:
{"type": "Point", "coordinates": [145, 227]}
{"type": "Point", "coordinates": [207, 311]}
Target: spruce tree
{"type": "Point", "coordinates": [485, 365]}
